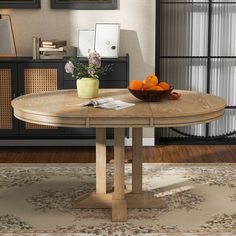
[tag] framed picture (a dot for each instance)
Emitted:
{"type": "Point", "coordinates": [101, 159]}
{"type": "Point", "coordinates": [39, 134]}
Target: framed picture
{"type": "Point", "coordinates": [107, 39]}
{"type": "Point", "coordinates": [20, 4]}
{"type": "Point", "coordinates": [7, 42]}
{"type": "Point", "coordinates": [85, 42]}
{"type": "Point", "coordinates": [84, 4]}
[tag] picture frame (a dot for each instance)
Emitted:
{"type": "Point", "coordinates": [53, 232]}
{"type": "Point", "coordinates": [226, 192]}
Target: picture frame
{"type": "Point", "coordinates": [85, 42]}
{"type": "Point", "coordinates": [107, 39]}
{"type": "Point", "coordinates": [7, 40]}
{"type": "Point", "coordinates": [84, 4]}
{"type": "Point", "coordinates": [18, 4]}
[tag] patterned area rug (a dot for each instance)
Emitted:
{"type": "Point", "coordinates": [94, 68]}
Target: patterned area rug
{"type": "Point", "coordinates": [37, 199]}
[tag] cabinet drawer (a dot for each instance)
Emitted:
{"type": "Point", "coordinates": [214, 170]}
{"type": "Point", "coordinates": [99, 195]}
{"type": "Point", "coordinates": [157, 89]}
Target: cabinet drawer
{"type": "Point", "coordinates": [35, 78]}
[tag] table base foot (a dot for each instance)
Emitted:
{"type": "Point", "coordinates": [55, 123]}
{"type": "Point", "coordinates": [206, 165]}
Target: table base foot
{"type": "Point", "coordinates": [94, 201]}
{"type": "Point", "coordinates": [134, 200]}
{"type": "Point", "coordinates": [119, 210]}
{"type": "Point", "coordinates": [144, 200]}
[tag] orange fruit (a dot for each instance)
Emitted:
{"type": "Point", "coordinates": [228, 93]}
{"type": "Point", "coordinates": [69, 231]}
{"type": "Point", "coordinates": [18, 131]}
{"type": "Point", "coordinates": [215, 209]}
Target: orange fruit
{"type": "Point", "coordinates": [150, 81]}
{"type": "Point", "coordinates": [156, 88]}
{"type": "Point", "coordinates": [136, 85]}
{"type": "Point", "coordinates": [153, 79]}
{"type": "Point", "coordinates": [151, 88]}
{"type": "Point", "coordinates": [164, 85]}
{"type": "Point", "coordinates": [147, 84]}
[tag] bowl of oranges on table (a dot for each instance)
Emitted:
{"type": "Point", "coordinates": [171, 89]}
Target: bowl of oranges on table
{"type": "Point", "coordinates": [151, 90]}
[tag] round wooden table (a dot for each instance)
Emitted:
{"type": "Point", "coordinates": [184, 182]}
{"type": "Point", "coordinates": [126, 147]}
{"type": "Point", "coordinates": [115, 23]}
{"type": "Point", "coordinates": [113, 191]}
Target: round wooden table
{"type": "Point", "coordinates": [61, 109]}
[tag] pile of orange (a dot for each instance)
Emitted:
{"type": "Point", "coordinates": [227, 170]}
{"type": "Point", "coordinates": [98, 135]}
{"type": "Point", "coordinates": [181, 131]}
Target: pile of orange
{"type": "Point", "coordinates": [150, 83]}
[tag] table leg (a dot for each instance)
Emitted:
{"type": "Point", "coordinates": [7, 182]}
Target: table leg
{"type": "Point", "coordinates": [119, 201]}
{"type": "Point", "coordinates": [101, 161]}
{"type": "Point", "coordinates": [137, 162]}
{"type": "Point", "coordinates": [137, 198]}
{"type": "Point", "coordinates": [98, 199]}
{"type": "Point", "coordinates": [119, 205]}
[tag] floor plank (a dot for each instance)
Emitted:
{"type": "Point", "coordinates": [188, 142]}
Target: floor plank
{"type": "Point", "coordinates": [168, 154]}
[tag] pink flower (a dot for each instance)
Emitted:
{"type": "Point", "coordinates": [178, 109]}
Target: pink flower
{"type": "Point", "coordinates": [69, 68]}
{"type": "Point", "coordinates": [91, 71]}
{"type": "Point", "coordinates": [94, 60]}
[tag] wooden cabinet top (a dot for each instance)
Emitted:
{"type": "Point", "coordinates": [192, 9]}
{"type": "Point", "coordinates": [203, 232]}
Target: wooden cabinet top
{"type": "Point", "coordinates": [82, 59]}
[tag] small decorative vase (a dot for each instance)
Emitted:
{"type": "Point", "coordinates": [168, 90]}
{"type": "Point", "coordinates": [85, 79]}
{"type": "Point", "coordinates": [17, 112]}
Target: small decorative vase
{"type": "Point", "coordinates": [87, 87]}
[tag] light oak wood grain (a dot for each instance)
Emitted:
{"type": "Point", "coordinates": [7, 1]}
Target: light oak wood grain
{"type": "Point", "coordinates": [101, 160]}
{"type": "Point", "coordinates": [119, 205]}
{"type": "Point", "coordinates": [61, 108]}
{"type": "Point", "coordinates": [137, 161]}
{"type": "Point", "coordinates": [119, 166]}
{"type": "Point", "coordinates": [104, 201]}
{"type": "Point", "coordinates": [119, 210]}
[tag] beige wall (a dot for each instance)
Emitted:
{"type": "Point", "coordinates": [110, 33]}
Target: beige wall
{"type": "Point", "coordinates": [137, 18]}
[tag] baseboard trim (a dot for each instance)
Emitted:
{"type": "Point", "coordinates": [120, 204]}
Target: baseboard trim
{"type": "Point", "coordinates": [65, 142]}
{"type": "Point", "coordinates": [50, 143]}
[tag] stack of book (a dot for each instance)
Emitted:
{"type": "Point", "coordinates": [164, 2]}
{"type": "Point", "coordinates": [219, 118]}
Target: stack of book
{"type": "Point", "coordinates": [52, 49]}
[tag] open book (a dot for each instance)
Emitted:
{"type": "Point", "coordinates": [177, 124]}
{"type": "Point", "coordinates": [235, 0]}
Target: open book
{"type": "Point", "coordinates": [108, 103]}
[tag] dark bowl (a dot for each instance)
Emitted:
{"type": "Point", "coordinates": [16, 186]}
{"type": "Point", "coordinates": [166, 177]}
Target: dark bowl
{"type": "Point", "coordinates": [150, 95]}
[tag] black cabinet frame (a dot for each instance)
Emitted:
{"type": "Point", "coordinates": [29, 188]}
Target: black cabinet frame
{"type": "Point", "coordinates": [118, 78]}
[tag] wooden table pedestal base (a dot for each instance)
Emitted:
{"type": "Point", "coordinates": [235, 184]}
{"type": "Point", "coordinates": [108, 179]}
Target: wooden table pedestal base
{"type": "Point", "coordinates": [134, 200]}
{"type": "Point", "coordinates": [119, 200]}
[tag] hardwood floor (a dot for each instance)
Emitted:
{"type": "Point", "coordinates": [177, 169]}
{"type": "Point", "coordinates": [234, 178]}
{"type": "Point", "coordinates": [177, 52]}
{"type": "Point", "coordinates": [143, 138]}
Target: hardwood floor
{"type": "Point", "coordinates": [169, 153]}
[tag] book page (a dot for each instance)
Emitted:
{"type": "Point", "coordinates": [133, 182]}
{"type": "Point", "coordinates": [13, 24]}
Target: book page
{"type": "Point", "coordinates": [102, 101]}
{"type": "Point", "coordinates": [115, 105]}
{"type": "Point", "coordinates": [107, 103]}
{"type": "Point", "coordinates": [96, 103]}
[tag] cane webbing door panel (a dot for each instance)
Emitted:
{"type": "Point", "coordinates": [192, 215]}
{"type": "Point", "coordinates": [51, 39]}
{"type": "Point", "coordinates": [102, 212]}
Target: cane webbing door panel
{"type": "Point", "coordinates": [5, 99]}
{"type": "Point", "coordinates": [39, 80]}
{"type": "Point", "coordinates": [39, 77]}
{"type": "Point", "coordinates": [7, 89]}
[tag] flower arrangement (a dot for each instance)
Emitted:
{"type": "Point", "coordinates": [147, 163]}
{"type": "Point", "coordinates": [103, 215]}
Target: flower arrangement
{"type": "Point", "coordinates": [93, 69]}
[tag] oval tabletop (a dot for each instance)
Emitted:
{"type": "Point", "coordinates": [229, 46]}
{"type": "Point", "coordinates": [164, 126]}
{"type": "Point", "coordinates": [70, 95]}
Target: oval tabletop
{"type": "Point", "coordinates": [62, 109]}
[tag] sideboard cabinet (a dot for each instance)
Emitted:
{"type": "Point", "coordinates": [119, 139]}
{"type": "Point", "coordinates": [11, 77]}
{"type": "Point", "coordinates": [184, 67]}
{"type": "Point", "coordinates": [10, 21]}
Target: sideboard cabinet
{"type": "Point", "coordinates": [19, 76]}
